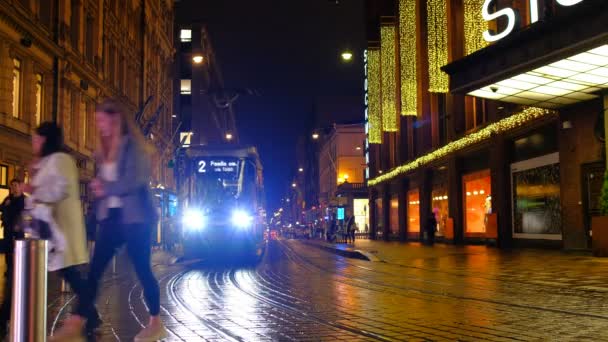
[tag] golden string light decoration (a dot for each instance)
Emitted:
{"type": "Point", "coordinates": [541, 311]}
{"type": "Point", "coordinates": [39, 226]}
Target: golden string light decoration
{"type": "Point", "coordinates": [502, 126]}
{"type": "Point", "coordinates": [437, 26]}
{"type": "Point", "coordinates": [474, 26]}
{"type": "Point", "coordinates": [374, 107]}
{"type": "Point", "coordinates": [407, 53]}
{"type": "Point", "coordinates": [388, 55]}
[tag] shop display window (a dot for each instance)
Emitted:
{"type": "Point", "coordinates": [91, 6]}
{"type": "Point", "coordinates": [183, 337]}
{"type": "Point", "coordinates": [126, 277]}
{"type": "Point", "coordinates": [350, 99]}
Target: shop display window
{"type": "Point", "coordinates": [440, 209]}
{"type": "Point", "coordinates": [394, 219]}
{"type": "Point", "coordinates": [478, 201]}
{"type": "Point", "coordinates": [361, 214]}
{"type": "Point", "coordinates": [536, 198]}
{"type": "Point", "coordinates": [413, 211]}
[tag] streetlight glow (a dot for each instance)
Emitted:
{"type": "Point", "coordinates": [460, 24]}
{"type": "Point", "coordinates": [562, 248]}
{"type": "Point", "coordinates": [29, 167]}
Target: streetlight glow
{"type": "Point", "coordinates": [347, 56]}
{"type": "Point", "coordinates": [315, 136]}
{"type": "Point", "coordinates": [228, 136]}
{"type": "Point", "coordinates": [198, 59]}
{"type": "Point", "coordinates": [300, 170]}
{"type": "Point", "coordinates": [293, 185]}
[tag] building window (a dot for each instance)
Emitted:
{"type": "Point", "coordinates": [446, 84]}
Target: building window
{"type": "Point", "coordinates": [75, 24]}
{"type": "Point", "coordinates": [4, 191]}
{"type": "Point", "coordinates": [89, 38]}
{"type": "Point", "coordinates": [475, 111]}
{"type": "Point", "coordinates": [4, 176]}
{"type": "Point", "coordinates": [186, 87]}
{"type": "Point", "coordinates": [45, 12]}
{"type": "Point", "coordinates": [185, 35]}
{"type": "Point", "coordinates": [39, 96]}
{"type": "Point", "coordinates": [16, 87]}
{"type": "Point", "coordinates": [84, 120]}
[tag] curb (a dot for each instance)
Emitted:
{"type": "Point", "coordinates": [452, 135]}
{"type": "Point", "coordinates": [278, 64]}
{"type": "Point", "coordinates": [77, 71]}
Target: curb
{"type": "Point", "coordinates": [347, 253]}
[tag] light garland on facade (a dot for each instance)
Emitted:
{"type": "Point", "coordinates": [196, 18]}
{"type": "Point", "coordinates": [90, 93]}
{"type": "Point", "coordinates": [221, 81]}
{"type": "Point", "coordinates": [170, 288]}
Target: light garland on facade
{"type": "Point", "coordinates": [502, 126]}
{"type": "Point", "coordinates": [374, 108]}
{"type": "Point", "coordinates": [437, 25]}
{"type": "Point", "coordinates": [388, 55]}
{"type": "Point", "coordinates": [474, 26]}
{"type": "Point", "coordinates": [407, 53]}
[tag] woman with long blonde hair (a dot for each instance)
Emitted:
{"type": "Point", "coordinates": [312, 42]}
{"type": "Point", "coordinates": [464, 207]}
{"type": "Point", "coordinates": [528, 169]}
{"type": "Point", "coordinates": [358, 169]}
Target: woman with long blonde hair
{"type": "Point", "coordinates": [125, 210]}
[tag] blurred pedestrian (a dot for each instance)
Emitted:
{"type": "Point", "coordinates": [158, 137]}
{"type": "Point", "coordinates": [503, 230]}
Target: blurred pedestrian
{"type": "Point", "coordinates": [350, 229]}
{"type": "Point", "coordinates": [126, 212]}
{"type": "Point", "coordinates": [431, 228]}
{"type": "Point", "coordinates": [54, 203]}
{"type": "Point", "coordinates": [11, 209]}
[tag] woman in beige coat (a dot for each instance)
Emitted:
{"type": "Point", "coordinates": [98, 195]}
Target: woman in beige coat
{"type": "Point", "coordinates": [55, 200]}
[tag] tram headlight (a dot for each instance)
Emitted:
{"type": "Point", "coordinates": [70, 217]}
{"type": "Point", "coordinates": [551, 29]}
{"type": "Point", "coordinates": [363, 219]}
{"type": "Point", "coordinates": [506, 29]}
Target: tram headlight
{"type": "Point", "coordinates": [241, 219]}
{"type": "Point", "coordinates": [194, 219]}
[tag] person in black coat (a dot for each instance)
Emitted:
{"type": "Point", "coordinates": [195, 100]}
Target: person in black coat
{"type": "Point", "coordinates": [11, 209]}
{"type": "Point", "coordinates": [431, 228]}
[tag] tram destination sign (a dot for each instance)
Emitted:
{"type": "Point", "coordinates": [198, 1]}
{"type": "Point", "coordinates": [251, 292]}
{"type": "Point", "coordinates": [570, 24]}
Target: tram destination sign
{"type": "Point", "coordinates": [218, 165]}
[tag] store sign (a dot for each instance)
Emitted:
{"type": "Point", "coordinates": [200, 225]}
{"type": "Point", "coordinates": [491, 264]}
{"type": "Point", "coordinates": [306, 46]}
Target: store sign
{"type": "Point", "coordinates": [366, 103]}
{"type": "Point", "coordinates": [512, 17]}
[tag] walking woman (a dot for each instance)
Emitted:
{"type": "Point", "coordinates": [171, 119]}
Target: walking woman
{"type": "Point", "coordinates": [54, 203]}
{"type": "Point", "coordinates": [125, 208]}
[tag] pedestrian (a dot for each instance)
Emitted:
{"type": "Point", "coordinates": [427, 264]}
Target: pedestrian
{"type": "Point", "coordinates": [11, 209]}
{"type": "Point", "coordinates": [431, 228]}
{"type": "Point", "coordinates": [350, 229]}
{"type": "Point", "coordinates": [54, 203]}
{"type": "Point", "coordinates": [125, 207]}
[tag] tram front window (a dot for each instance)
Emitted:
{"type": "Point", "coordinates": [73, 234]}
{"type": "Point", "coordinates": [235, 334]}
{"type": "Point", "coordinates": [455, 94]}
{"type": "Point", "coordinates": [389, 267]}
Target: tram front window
{"type": "Point", "coordinates": [223, 185]}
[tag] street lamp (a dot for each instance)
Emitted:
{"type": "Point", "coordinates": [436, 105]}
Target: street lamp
{"type": "Point", "coordinates": [228, 136]}
{"type": "Point", "coordinates": [198, 59]}
{"type": "Point", "coordinates": [347, 56]}
{"type": "Point", "coordinates": [293, 185]}
{"type": "Point", "coordinates": [315, 136]}
{"type": "Point", "coordinates": [301, 170]}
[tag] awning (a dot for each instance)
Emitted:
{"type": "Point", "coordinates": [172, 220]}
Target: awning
{"type": "Point", "coordinates": [549, 64]}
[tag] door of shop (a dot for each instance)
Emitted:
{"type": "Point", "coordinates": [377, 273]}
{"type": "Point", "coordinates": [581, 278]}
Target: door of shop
{"type": "Point", "coordinates": [593, 176]}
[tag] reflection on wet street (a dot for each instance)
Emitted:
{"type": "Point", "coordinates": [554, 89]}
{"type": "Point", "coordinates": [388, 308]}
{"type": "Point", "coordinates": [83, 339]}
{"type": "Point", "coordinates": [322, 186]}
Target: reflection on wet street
{"type": "Point", "coordinates": [300, 293]}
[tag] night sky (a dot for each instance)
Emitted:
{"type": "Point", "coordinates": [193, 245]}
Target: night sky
{"type": "Point", "coordinates": [288, 50]}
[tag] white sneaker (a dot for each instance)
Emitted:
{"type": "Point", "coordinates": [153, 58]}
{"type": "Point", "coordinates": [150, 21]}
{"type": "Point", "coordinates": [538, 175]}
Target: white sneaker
{"type": "Point", "coordinates": [152, 333]}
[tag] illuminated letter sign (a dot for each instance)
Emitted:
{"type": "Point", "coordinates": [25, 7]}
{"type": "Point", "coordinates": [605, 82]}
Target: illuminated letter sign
{"type": "Point", "coordinates": [511, 16]}
{"type": "Point", "coordinates": [568, 2]}
{"type": "Point", "coordinates": [487, 16]}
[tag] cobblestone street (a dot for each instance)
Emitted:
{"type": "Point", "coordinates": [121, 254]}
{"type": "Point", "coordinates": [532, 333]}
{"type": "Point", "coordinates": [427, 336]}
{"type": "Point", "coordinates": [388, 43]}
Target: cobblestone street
{"type": "Point", "coordinates": [302, 293]}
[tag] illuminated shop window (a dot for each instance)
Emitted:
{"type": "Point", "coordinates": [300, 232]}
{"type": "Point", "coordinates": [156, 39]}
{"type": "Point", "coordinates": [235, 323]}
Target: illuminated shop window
{"type": "Point", "coordinates": [478, 201]}
{"type": "Point", "coordinates": [185, 87]}
{"type": "Point", "coordinates": [185, 35]}
{"type": "Point", "coordinates": [413, 211]}
{"type": "Point", "coordinates": [360, 208]}
{"type": "Point", "coordinates": [394, 219]}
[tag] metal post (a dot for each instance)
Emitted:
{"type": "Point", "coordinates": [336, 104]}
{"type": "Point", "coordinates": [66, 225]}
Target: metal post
{"type": "Point", "coordinates": [114, 265]}
{"type": "Point", "coordinates": [28, 314]}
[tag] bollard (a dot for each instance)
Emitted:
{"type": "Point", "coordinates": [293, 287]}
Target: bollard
{"type": "Point", "coordinates": [114, 265]}
{"type": "Point", "coordinates": [28, 311]}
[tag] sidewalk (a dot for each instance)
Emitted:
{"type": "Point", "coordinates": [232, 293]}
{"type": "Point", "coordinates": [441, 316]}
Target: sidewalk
{"type": "Point", "coordinates": [536, 266]}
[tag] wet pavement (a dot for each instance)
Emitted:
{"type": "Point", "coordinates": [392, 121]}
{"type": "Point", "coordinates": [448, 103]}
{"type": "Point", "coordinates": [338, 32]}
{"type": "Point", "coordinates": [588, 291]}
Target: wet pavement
{"type": "Point", "coordinates": [301, 293]}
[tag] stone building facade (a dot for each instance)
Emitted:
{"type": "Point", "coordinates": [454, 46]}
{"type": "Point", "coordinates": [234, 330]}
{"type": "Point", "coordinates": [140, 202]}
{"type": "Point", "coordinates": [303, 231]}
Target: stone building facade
{"type": "Point", "coordinates": [58, 58]}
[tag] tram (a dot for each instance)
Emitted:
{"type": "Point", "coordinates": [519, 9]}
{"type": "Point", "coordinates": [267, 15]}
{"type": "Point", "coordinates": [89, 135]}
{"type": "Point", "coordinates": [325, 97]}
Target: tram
{"type": "Point", "coordinates": [221, 201]}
